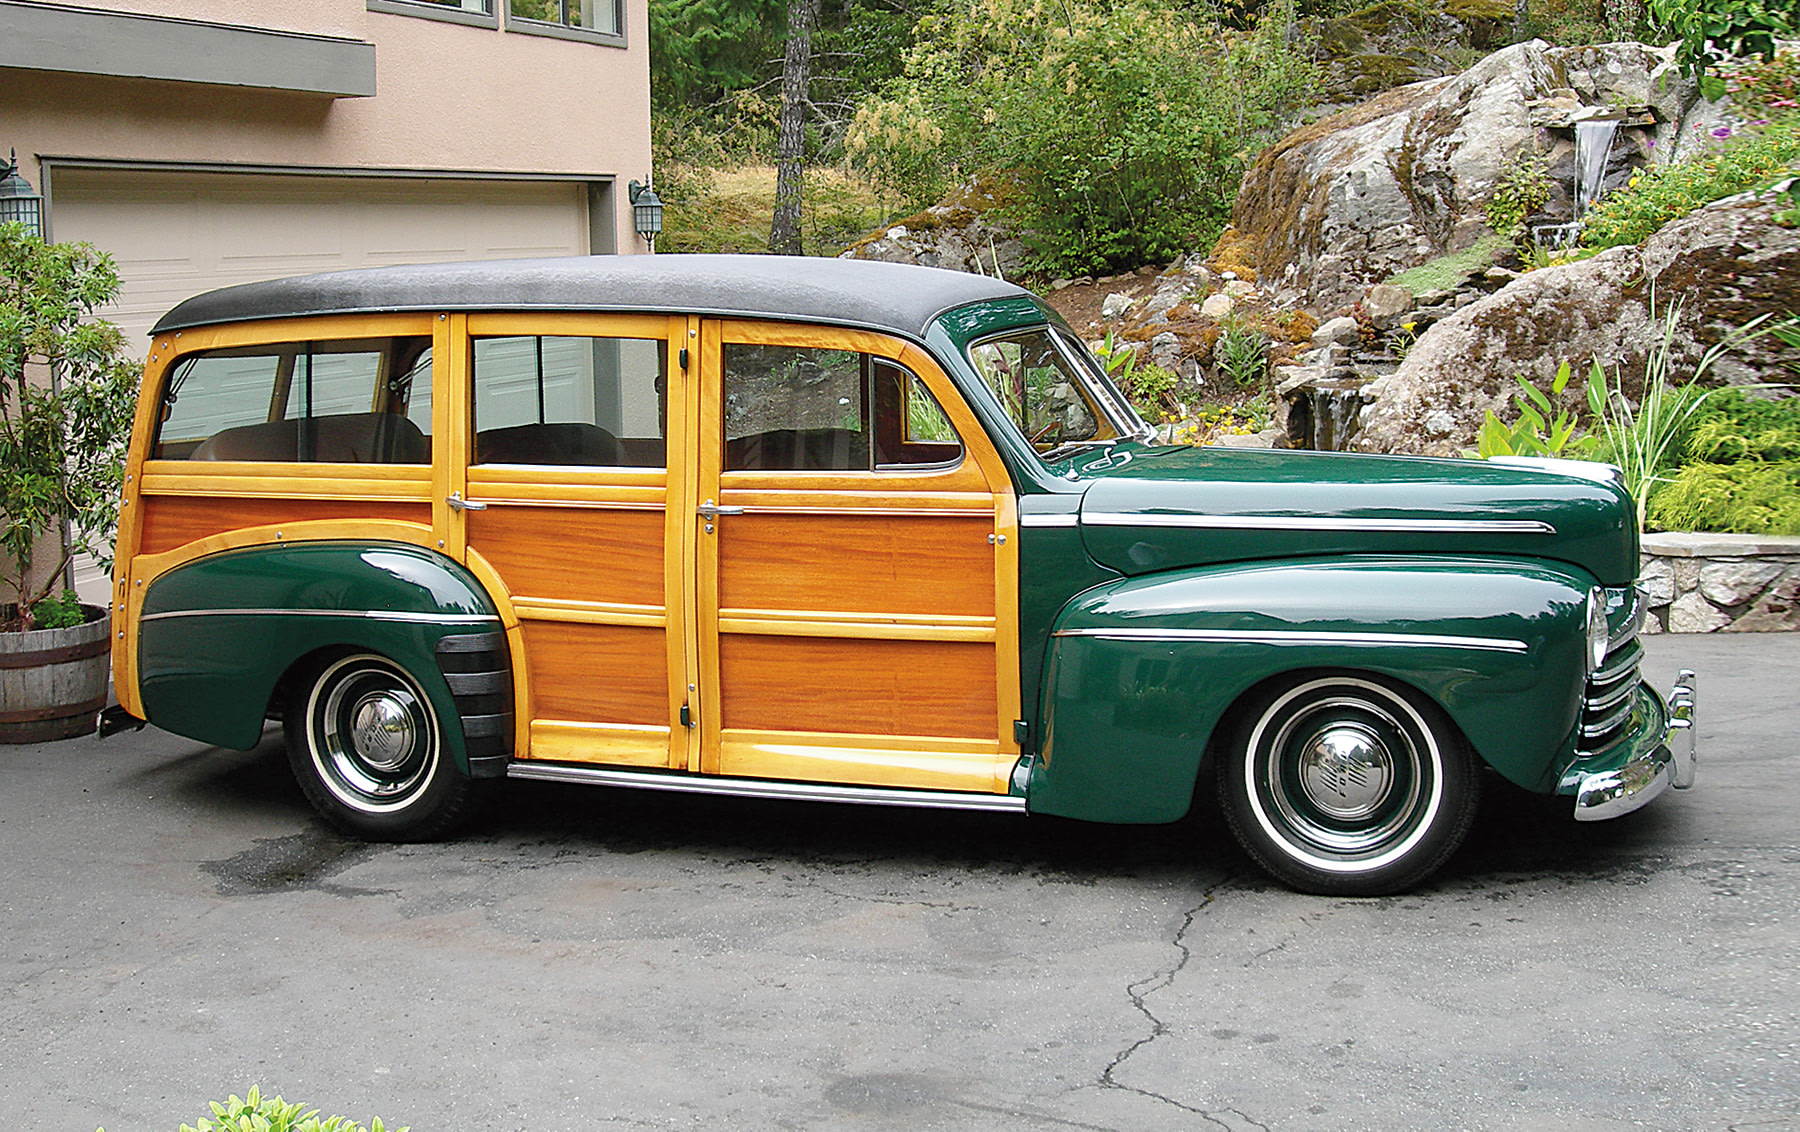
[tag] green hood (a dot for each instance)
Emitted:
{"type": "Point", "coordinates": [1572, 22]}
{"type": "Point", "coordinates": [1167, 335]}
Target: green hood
{"type": "Point", "coordinates": [1150, 509]}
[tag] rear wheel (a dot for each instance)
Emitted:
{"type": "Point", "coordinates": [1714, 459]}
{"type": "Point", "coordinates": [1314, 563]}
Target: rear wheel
{"type": "Point", "coordinates": [369, 750]}
{"type": "Point", "coordinates": [1343, 784]}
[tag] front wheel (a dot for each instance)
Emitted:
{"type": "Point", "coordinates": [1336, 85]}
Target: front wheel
{"type": "Point", "coordinates": [369, 751]}
{"type": "Point", "coordinates": [1346, 785]}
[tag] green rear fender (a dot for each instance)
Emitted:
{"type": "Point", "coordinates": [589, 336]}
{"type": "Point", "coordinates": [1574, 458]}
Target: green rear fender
{"type": "Point", "coordinates": [218, 633]}
{"type": "Point", "coordinates": [1141, 672]}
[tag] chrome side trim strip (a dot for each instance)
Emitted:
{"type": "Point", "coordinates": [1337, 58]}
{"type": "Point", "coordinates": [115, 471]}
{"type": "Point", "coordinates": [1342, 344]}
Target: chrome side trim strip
{"type": "Point", "coordinates": [1063, 519]}
{"type": "Point", "coordinates": [1298, 637]}
{"type": "Point", "coordinates": [758, 788]}
{"type": "Point", "coordinates": [1314, 523]}
{"type": "Point", "coordinates": [365, 614]}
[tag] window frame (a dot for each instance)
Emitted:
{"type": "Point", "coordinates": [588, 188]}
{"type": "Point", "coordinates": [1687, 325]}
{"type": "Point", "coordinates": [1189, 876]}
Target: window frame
{"type": "Point", "coordinates": [574, 32]}
{"type": "Point", "coordinates": [425, 9]}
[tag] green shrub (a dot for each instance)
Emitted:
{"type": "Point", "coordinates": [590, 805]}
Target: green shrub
{"type": "Point", "coordinates": [1662, 193]}
{"type": "Point", "coordinates": [1537, 432]}
{"type": "Point", "coordinates": [1732, 427]}
{"type": "Point", "coordinates": [1750, 497]}
{"type": "Point", "coordinates": [1523, 188]}
{"type": "Point", "coordinates": [1125, 125]}
{"type": "Point", "coordinates": [62, 612]}
{"type": "Point", "coordinates": [256, 1113]}
{"type": "Point", "coordinates": [1712, 31]}
{"type": "Point", "coordinates": [1241, 353]}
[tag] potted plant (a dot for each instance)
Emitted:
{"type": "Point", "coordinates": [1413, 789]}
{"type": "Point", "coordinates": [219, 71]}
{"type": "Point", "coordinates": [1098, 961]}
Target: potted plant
{"type": "Point", "coordinates": [67, 394]}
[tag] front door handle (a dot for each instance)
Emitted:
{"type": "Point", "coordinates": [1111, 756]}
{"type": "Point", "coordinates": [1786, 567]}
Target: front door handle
{"type": "Point", "coordinates": [458, 503]}
{"type": "Point", "coordinates": [710, 511]}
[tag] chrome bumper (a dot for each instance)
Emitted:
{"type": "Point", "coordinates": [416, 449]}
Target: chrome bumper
{"type": "Point", "coordinates": [1653, 767]}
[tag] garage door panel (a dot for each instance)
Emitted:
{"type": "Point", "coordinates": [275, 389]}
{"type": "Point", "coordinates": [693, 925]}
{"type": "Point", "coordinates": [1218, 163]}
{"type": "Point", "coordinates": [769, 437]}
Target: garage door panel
{"type": "Point", "coordinates": [176, 234]}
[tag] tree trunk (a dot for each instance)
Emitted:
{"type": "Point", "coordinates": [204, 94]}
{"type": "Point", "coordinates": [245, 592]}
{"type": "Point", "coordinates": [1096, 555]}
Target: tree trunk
{"type": "Point", "coordinates": [790, 145]}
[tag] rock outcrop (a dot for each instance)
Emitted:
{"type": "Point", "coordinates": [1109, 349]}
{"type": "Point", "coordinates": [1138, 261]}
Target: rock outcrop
{"type": "Point", "coordinates": [1726, 264]}
{"type": "Point", "coordinates": [1355, 198]}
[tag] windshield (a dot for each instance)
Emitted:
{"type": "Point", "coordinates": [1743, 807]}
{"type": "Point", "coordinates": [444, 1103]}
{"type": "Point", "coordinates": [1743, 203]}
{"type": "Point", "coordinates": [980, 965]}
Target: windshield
{"type": "Point", "coordinates": [1059, 399]}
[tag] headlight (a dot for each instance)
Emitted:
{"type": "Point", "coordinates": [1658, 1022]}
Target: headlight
{"type": "Point", "coordinates": [1596, 628]}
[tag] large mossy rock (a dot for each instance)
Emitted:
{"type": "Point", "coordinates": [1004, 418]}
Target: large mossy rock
{"type": "Point", "coordinates": [1726, 264]}
{"type": "Point", "coordinates": [1357, 197]}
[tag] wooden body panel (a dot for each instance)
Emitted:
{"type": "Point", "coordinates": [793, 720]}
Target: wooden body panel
{"type": "Point", "coordinates": [861, 686]}
{"type": "Point", "coordinates": [598, 673]}
{"type": "Point", "coordinates": [171, 521]}
{"type": "Point", "coordinates": [898, 563]}
{"type": "Point", "coordinates": [587, 554]}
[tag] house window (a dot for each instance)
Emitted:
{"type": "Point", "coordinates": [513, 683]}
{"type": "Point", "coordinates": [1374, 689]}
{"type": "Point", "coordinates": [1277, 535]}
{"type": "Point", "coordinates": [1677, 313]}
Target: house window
{"type": "Point", "coordinates": [572, 18]}
{"type": "Point", "coordinates": [477, 12]}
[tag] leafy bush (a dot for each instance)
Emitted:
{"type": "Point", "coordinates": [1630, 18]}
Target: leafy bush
{"type": "Point", "coordinates": [62, 612]}
{"type": "Point", "coordinates": [1741, 469]}
{"type": "Point", "coordinates": [256, 1113]}
{"type": "Point", "coordinates": [1711, 31]}
{"type": "Point", "coordinates": [1763, 88]}
{"type": "Point", "coordinates": [62, 445]}
{"type": "Point", "coordinates": [1241, 353]}
{"type": "Point", "coordinates": [1663, 193]}
{"type": "Point", "coordinates": [1646, 439]}
{"type": "Point", "coordinates": [1125, 125]}
{"type": "Point", "coordinates": [1746, 498]}
{"type": "Point", "coordinates": [1523, 188]}
{"type": "Point", "coordinates": [1151, 387]}
{"type": "Point", "coordinates": [1537, 432]}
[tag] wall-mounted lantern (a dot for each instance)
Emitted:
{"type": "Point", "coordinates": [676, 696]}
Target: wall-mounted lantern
{"type": "Point", "coordinates": [20, 204]}
{"type": "Point", "coordinates": [646, 212]}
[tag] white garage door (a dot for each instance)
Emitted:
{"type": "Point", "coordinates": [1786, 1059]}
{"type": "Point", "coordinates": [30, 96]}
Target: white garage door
{"type": "Point", "coordinates": [177, 234]}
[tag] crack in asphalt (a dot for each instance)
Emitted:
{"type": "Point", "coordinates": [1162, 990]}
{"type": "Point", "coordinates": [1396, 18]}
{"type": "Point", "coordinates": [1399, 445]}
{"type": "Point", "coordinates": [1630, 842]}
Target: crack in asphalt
{"type": "Point", "coordinates": [1143, 989]}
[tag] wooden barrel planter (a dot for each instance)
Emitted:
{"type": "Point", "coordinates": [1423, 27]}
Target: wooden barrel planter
{"type": "Point", "coordinates": [53, 681]}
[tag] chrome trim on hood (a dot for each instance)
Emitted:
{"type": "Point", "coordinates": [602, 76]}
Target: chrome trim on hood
{"type": "Point", "coordinates": [1297, 637]}
{"type": "Point", "coordinates": [1321, 523]}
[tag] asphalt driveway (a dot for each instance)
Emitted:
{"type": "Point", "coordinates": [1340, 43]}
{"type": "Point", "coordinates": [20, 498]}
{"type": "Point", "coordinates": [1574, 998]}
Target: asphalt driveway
{"type": "Point", "coordinates": [175, 925]}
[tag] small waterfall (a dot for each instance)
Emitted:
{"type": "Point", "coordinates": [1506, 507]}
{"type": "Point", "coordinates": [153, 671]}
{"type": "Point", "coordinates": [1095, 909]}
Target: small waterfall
{"type": "Point", "coordinates": [1324, 415]}
{"type": "Point", "coordinates": [1593, 145]}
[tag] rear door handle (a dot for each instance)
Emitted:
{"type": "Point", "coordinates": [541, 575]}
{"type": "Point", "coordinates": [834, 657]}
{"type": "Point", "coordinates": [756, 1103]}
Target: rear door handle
{"type": "Point", "coordinates": [458, 503]}
{"type": "Point", "coordinates": [710, 511]}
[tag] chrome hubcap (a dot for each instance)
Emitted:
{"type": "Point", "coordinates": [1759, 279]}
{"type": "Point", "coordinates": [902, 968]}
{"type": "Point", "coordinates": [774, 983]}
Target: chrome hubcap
{"type": "Point", "coordinates": [1345, 771]}
{"type": "Point", "coordinates": [373, 735]}
{"type": "Point", "coordinates": [382, 731]}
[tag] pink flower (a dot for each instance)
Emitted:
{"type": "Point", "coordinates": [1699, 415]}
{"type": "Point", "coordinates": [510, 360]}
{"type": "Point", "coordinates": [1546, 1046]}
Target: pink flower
{"type": "Point", "coordinates": [1722, 132]}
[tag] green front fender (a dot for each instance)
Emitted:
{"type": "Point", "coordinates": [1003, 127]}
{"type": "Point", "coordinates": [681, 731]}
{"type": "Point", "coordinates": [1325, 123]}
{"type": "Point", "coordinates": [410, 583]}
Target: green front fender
{"type": "Point", "coordinates": [217, 634]}
{"type": "Point", "coordinates": [1141, 672]}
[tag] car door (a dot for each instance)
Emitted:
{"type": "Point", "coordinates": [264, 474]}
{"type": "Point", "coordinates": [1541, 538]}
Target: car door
{"type": "Point", "coordinates": [570, 509]}
{"type": "Point", "coordinates": [855, 566]}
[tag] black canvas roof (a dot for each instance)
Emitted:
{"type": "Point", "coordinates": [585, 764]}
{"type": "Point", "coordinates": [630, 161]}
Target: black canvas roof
{"type": "Point", "coordinates": [884, 296]}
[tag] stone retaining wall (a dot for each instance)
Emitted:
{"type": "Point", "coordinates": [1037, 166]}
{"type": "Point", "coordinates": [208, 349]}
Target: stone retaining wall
{"type": "Point", "coordinates": [1703, 583]}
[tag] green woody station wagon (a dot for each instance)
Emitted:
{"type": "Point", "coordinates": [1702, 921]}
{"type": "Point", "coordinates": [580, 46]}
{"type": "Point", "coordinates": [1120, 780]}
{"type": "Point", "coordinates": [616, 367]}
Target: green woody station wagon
{"type": "Point", "coordinates": [854, 532]}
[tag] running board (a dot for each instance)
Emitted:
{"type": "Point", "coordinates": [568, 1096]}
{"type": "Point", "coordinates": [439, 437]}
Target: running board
{"type": "Point", "coordinates": [758, 788]}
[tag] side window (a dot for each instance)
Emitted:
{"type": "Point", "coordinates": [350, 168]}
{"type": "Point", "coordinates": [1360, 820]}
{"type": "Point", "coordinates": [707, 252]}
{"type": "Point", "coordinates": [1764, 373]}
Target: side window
{"type": "Point", "coordinates": [349, 401]}
{"type": "Point", "coordinates": [792, 408]}
{"type": "Point", "coordinates": [588, 402]}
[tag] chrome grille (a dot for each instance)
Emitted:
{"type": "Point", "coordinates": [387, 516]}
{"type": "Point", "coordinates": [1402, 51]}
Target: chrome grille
{"type": "Point", "coordinates": [1606, 708]}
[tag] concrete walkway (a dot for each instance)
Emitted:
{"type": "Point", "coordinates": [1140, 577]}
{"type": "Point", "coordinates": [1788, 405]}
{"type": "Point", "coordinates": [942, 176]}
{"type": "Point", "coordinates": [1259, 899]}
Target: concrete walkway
{"type": "Point", "coordinates": [174, 925]}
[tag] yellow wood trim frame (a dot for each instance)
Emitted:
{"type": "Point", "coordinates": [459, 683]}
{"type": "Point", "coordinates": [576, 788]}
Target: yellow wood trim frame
{"type": "Point", "coordinates": [926, 762]}
{"type": "Point", "coordinates": [705, 381]}
{"type": "Point", "coordinates": [590, 612]}
{"type": "Point", "coordinates": [856, 626]}
{"type": "Point", "coordinates": [307, 329]}
{"type": "Point", "coordinates": [307, 481]}
{"type": "Point", "coordinates": [574, 741]}
{"type": "Point", "coordinates": [450, 432]}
